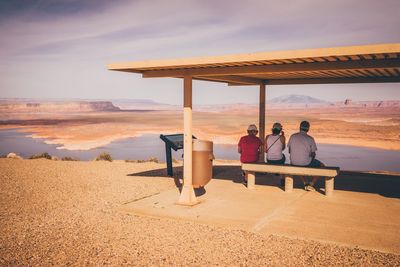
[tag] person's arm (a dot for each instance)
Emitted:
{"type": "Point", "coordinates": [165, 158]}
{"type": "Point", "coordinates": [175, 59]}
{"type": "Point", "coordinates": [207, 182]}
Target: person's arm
{"type": "Point", "coordinates": [313, 148]}
{"type": "Point", "coordinates": [240, 146]}
{"type": "Point", "coordinates": [283, 140]}
{"type": "Point", "coordinates": [289, 145]}
{"type": "Point", "coordinates": [260, 153]}
{"type": "Point", "coordinates": [266, 144]}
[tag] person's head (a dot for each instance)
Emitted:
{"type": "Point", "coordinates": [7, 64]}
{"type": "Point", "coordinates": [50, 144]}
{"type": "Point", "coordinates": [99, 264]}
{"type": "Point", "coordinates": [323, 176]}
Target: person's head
{"type": "Point", "coordinates": [252, 129]}
{"type": "Point", "coordinates": [276, 128]}
{"type": "Point", "coordinates": [304, 126]}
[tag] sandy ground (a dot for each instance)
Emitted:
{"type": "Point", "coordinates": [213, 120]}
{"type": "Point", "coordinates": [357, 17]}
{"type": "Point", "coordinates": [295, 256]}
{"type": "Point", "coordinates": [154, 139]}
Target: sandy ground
{"type": "Point", "coordinates": [66, 213]}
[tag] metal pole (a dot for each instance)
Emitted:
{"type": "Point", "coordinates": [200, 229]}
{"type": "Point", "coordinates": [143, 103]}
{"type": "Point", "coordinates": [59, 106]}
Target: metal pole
{"type": "Point", "coordinates": [168, 154]}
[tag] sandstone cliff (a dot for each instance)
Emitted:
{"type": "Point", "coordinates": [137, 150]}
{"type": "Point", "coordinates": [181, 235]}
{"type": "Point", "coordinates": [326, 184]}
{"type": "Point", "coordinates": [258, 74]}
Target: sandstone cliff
{"type": "Point", "coordinates": [56, 106]}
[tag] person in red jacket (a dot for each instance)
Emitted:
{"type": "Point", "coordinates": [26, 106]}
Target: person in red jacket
{"type": "Point", "coordinates": [249, 146]}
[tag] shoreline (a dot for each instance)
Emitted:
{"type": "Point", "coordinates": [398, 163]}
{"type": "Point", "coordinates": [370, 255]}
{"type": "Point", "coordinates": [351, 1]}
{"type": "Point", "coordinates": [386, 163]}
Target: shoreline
{"type": "Point", "coordinates": [346, 156]}
{"type": "Point", "coordinates": [85, 145]}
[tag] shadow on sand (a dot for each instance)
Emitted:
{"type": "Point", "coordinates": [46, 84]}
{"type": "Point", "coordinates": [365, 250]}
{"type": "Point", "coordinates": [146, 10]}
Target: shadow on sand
{"type": "Point", "coordinates": [386, 185]}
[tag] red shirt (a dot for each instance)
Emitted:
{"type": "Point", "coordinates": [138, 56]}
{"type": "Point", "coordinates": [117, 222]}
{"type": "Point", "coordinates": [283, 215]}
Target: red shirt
{"type": "Point", "coordinates": [249, 146]}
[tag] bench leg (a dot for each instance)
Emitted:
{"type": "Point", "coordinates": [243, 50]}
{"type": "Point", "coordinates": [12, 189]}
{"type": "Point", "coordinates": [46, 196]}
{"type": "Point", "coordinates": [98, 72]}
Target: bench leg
{"type": "Point", "coordinates": [288, 183]}
{"type": "Point", "coordinates": [251, 179]}
{"type": "Point", "coordinates": [329, 185]}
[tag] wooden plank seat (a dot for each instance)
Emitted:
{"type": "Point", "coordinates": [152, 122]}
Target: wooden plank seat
{"type": "Point", "coordinates": [289, 171]}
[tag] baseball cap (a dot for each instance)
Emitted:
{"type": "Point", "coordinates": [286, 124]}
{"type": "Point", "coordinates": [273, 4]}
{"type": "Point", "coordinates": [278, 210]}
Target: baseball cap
{"type": "Point", "coordinates": [277, 126]}
{"type": "Point", "coordinates": [252, 127]}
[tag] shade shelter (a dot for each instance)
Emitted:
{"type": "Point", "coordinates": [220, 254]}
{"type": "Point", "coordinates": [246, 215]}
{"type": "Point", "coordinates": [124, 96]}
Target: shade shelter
{"type": "Point", "coordinates": [354, 64]}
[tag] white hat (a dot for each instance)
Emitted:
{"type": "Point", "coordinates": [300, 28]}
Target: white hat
{"type": "Point", "coordinates": [252, 127]}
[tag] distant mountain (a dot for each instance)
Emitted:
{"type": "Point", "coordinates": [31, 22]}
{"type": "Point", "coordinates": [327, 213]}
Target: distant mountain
{"type": "Point", "coordinates": [55, 106]}
{"type": "Point", "coordinates": [142, 104]}
{"type": "Point", "coordinates": [297, 100]}
{"type": "Point", "coordinates": [134, 101]}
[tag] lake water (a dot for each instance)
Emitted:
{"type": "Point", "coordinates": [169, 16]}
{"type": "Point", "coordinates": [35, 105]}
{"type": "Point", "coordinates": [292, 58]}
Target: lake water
{"type": "Point", "coordinates": [346, 157]}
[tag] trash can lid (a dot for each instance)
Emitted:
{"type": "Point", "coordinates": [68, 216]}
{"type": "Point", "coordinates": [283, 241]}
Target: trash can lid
{"type": "Point", "coordinates": [202, 145]}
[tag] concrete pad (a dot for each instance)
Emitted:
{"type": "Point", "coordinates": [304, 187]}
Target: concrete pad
{"type": "Point", "coordinates": [358, 219]}
{"type": "Point", "coordinates": [224, 203]}
{"type": "Point", "coordinates": [366, 220]}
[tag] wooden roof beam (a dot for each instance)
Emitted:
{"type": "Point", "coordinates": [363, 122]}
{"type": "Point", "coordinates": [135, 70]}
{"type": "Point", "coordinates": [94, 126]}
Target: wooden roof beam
{"type": "Point", "coordinates": [243, 70]}
{"type": "Point", "coordinates": [327, 81]}
{"type": "Point", "coordinates": [231, 79]}
{"type": "Point", "coordinates": [335, 80]}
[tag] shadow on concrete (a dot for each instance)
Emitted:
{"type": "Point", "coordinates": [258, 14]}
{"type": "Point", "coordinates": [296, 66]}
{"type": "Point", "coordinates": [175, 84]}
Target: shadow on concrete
{"type": "Point", "coordinates": [387, 185]}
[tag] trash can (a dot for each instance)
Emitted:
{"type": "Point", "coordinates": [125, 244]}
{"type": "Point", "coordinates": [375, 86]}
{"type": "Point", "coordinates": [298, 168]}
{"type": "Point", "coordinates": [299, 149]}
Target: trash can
{"type": "Point", "coordinates": [202, 162]}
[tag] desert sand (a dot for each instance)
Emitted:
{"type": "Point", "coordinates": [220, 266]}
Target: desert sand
{"type": "Point", "coordinates": [66, 213]}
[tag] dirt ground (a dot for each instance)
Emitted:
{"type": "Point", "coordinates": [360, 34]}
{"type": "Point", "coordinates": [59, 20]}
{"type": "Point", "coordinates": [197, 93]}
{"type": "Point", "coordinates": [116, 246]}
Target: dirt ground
{"type": "Point", "coordinates": [66, 213]}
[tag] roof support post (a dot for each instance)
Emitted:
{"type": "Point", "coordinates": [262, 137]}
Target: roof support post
{"type": "Point", "coordinates": [187, 196]}
{"type": "Point", "coordinates": [261, 125]}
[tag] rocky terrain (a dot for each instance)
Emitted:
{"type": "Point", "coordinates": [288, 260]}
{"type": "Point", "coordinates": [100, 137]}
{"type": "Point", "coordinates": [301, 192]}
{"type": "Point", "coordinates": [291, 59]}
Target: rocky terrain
{"type": "Point", "coordinates": [282, 102]}
{"type": "Point", "coordinates": [143, 104]}
{"type": "Point", "coordinates": [55, 213]}
{"type": "Point", "coordinates": [289, 102]}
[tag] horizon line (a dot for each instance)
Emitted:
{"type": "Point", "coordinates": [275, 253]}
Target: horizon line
{"type": "Point", "coordinates": [204, 104]}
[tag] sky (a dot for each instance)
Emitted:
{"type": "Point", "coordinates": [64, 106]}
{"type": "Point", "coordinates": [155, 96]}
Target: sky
{"type": "Point", "coordinates": [61, 48]}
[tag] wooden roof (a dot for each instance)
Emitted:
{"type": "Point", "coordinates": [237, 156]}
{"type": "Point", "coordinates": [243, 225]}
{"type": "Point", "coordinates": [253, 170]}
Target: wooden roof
{"type": "Point", "coordinates": [354, 64]}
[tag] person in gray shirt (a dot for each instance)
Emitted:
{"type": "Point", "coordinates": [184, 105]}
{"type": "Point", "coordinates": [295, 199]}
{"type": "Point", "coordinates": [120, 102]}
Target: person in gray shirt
{"type": "Point", "coordinates": [302, 149]}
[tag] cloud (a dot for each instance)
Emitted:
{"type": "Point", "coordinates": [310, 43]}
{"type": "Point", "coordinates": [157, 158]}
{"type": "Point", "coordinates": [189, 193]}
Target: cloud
{"type": "Point", "coordinates": [48, 43]}
{"type": "Point", "coordinates": [137, 25]}
{"type": "Point", "coordinates": [130, 22]}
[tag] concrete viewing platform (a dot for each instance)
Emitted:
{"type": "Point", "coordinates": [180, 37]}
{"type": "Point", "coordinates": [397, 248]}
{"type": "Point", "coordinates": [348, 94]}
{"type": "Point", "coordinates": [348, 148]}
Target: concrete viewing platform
{"type": "Point", "coordinates": [364, 210]}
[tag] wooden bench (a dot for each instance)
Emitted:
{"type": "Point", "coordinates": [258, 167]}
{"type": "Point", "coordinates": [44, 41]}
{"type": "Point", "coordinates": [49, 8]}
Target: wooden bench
{"type": "Point", "coordinates": [289, 171]}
